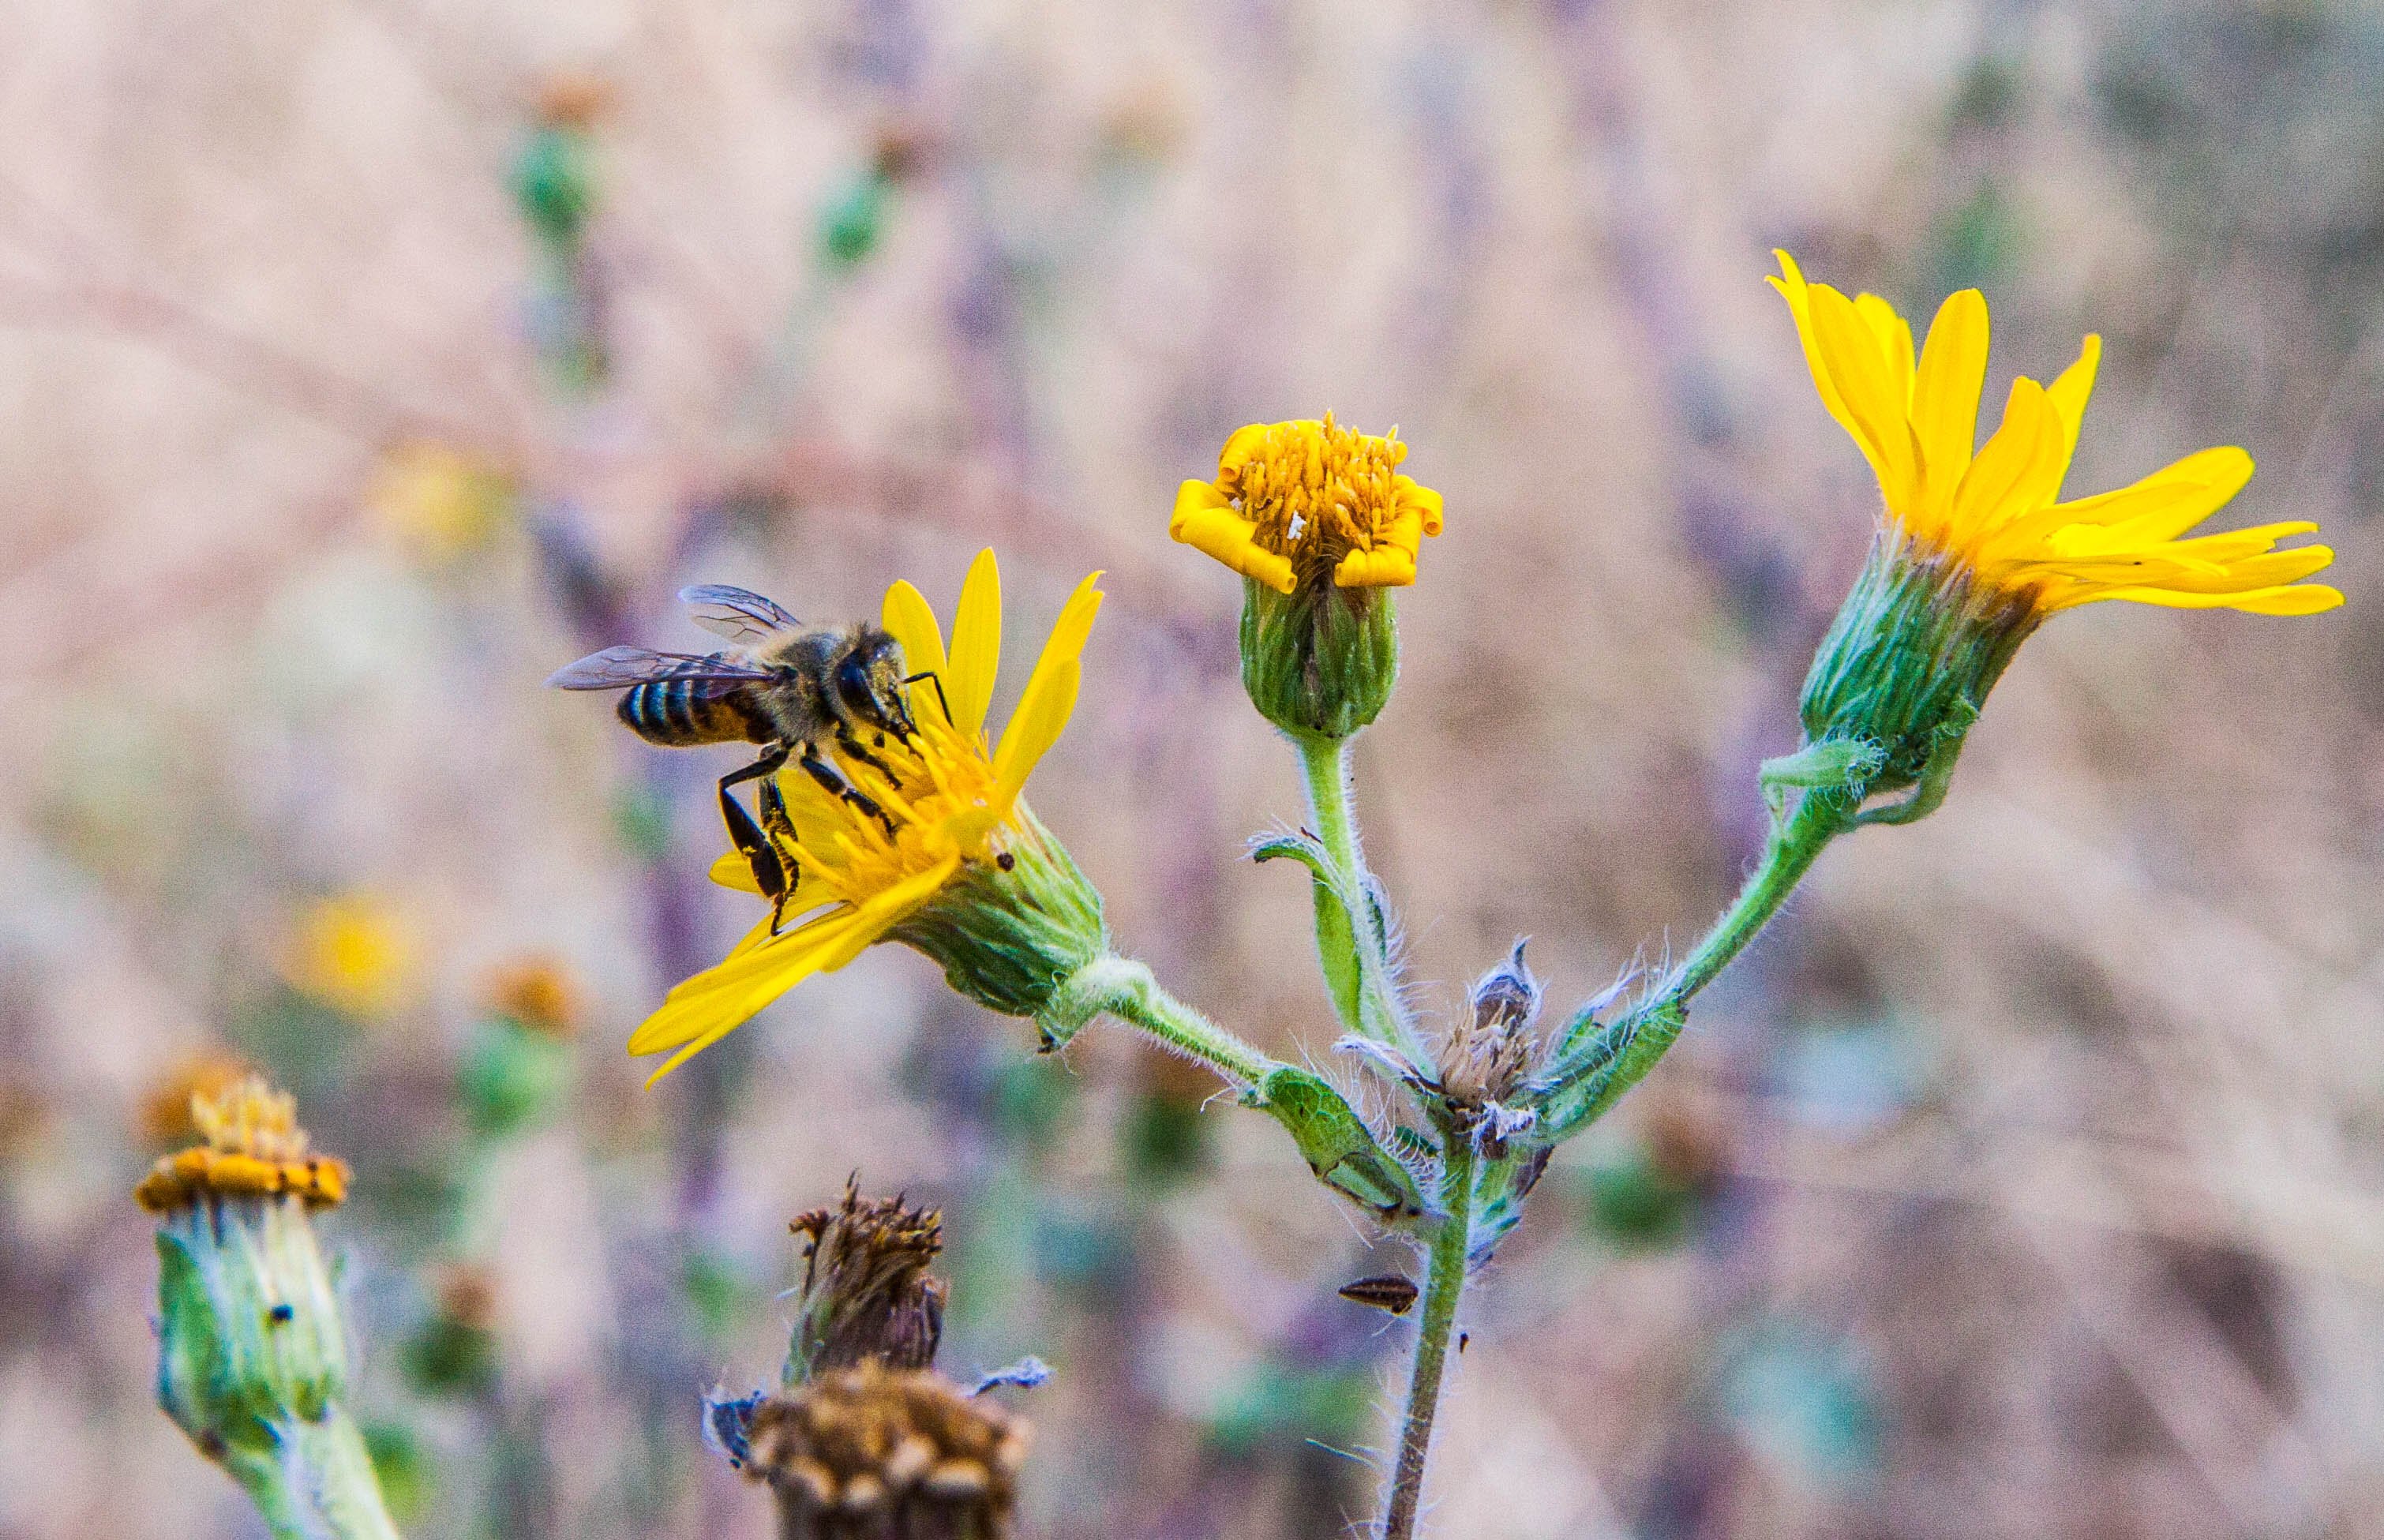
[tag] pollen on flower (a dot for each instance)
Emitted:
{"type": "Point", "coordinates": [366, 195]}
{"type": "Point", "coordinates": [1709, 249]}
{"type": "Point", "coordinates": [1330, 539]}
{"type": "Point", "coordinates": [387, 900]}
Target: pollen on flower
{"type": "Point", "coordinates": [253, 1147]}
{"type": "Point", "coordinates": [1309, 499]}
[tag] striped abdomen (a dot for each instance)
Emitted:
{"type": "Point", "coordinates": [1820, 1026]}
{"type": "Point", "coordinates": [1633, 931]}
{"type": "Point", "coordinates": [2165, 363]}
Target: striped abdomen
{"type": "Point", "coordinates": [679, 712]}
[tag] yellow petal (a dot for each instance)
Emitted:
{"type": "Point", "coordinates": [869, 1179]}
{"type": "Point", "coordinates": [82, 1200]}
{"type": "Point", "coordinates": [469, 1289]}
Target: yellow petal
{"type": "Point", "coordinates": [976, 644]}
{"type": "Point", "coordinates": [1895, 342]}
{"type": "Point", "coordinates": [911, 621]}
{"type": "Point", "coordinates": [724, 998]}
{"type": "Point", "coordinates": [2171, 501]}
{"type": "Point", "coordinates": [2069, 393]}
{"type": "Point", "coordinates": [1945, 392]}
{"type": "Point", "coordinates": [2028, 437]}
{"type": "Point", "coordinates": [1426, 502]}
{"type": "Point", "coordinates": [1050, 695]}
{"type": "Point", "coordinates": [1392, 562]}
{"type": "Point", "coordinates": [1208, 524]}
{"type": "Point", "coordinates": [731, 992]}
{"type": "Point", "coordinates": [2298, 599]}
{"type": "Point", "coordinates": [1876, 406]}
{"type": "Point", "coordinates": [1800, 295]}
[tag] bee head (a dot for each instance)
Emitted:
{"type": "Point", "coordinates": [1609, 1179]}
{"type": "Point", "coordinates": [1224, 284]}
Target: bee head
{"type": "Point", "coordinates": [869, 683]}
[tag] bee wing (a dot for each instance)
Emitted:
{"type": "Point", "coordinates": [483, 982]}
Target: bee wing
{"type": "Point", "coordinates": [619, 667]}
{"type": "Point", "coordinates": [736, 613]}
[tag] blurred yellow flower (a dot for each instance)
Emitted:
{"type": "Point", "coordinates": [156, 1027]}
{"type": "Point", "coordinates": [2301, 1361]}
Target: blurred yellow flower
{"type": "Point", "coordinates": [958, 826]}
{"type": "Point", "coordinates": [1992, 515]}
{"type": "Point", "coordinates": [443, 503]}
{"type": "Point", "coordinates": [354, 953]}
{"type": "Point", "coordinates": [1297, 501]}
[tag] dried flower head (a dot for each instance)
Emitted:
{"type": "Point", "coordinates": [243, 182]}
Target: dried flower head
{"type": "Point", "coordinates": [873, 1453]}
{"type": "Point", "coordinates": [253, 1147]}
{"type": "Point", "coordinates": [1486, 1056]}
{"type": "Point", "coordinates": [866, 1295]}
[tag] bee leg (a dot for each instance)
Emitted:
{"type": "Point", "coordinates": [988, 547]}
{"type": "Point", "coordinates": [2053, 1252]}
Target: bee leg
{"type": "Point", "coordinates": [834, 780]}
{"type": "Point", "coordinates": [936, 679]}
{"type": "Point", "coordinates": [779, 830]}
{"type": "Point", "coordinates": [850, 748]}
{"type": "Point", "coordinates": [760, 853]}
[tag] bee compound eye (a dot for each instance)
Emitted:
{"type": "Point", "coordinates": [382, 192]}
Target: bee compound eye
{"type": "Point", "coordinates": [853, 686]}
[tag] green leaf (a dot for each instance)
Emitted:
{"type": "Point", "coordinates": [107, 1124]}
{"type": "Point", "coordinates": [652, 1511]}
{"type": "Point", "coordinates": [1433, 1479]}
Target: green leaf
{"type": "Point", "coordinates": [1336, 930]}
{"type": "Point", "coordinates": [1336, 1143]}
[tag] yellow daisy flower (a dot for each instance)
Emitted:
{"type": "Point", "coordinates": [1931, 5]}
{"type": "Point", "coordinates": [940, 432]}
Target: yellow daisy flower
{"type": "Point", "coordinates": [1992, 515]}
{"type": "Point", "coordinates": [965, 874]}
{"type": "Point", "coordinates": [1308, 499]}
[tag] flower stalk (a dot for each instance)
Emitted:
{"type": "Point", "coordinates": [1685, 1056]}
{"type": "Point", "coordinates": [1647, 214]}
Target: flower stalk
{"type": "Point", "coordinates": [1444, 1285]}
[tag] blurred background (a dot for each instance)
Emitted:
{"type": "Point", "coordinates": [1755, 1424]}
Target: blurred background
{"type": "Point", "coordinates": [362, 361]}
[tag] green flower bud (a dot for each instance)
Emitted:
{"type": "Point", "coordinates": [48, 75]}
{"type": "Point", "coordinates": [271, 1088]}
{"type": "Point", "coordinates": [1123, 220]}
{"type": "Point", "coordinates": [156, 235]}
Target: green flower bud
{"type": "Point", "coordinates": [252, 1352]}
{"type": "Point", "coordinates": [1318, 661]}
{"type": "Point", "coordinates": [1318, 521]}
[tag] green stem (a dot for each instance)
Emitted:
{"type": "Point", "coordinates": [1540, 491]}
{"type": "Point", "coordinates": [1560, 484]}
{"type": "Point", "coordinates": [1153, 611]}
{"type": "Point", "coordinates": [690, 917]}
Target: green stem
{"type": "Point", "coordinates": [322, 1487]}
{"type": "Point", "coordinates": [1795, 842]}
{"type": "Point", "coordinates": [1125, 987]}
{"type": "Point", "coordinates": [1581, 1098]}
{"type": "Point", "coordinates": [1444, 1285]}
{"type": "Point", "coordinates": [1370, 1006]}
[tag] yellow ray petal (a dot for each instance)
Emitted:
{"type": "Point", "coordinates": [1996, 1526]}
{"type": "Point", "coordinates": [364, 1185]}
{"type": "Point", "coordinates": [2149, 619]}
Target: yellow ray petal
{"type": "Point", "coordinates": [1945, 392]}
{"type": "Point", "coordinates": [2069, 393]}
{"type": "Point", "coordinates": [1860, 371]}
{"type": "Point", "coordinates": [1427, 502]}
{"type": "Point", "coordinates": [1800, 295]}
{"type": "Point", "coordinates": [2298, 599]}
{"type": "Point", "coordinates": [2028, 436]}
{"type": "Point", "coordinates": [2171, 501]}
{"type": "Point", "coordinates": [912, 620]}
{"type": "Point", "coordinates": [976, 644]}
{"type": "Point", "coordinates": [749, 978]}
{"type": "Point", "coordinates": [1894, 336]}
{"type": "Point", "coordinates": [1050, 696]}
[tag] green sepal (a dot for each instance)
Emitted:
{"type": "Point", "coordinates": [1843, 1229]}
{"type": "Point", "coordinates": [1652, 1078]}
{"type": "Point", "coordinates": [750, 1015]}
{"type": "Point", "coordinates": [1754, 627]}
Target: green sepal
{"type": "Point", "coordinates": [1336, 930]}
{"type": "Point", "coordinates": [1319, 662]}
{"type": "Point", "coordinates": [1336, 1143]}
{"type": "Point", "coordinates": [1576, 1091]}
{"type": "Point", "coordinates": [1936, 771]}
{"type": "Point", "coordinates": [1844, 765]}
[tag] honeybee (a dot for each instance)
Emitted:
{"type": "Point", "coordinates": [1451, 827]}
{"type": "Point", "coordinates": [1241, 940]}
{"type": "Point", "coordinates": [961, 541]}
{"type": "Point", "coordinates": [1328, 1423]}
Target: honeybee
{"type": "Point", "coordinates": [784, 686]}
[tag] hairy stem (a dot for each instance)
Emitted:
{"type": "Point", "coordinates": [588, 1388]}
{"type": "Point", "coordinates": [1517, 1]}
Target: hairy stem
{"type": "Point", "coordinates": [1124, 988]}
{"type": "Point", "coordinates": [321, 1487]}
{"type": "Point", "coordinates": [1374, 1010]}
{"type": "Point", "coordinates": [1444, 1285]}
{"type": "Point", "coordinates": [1795, 842]}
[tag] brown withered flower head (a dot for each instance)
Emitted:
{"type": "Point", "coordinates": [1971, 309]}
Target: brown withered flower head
{"type": "Point", "coordinates": [873, 1453]}
{"type": "Point", "coordinates": [538, 992]}
{"type": "Point", "coordinates": [1487, 1054]}
{"type": "Point", "coordinates": [866, 1296]}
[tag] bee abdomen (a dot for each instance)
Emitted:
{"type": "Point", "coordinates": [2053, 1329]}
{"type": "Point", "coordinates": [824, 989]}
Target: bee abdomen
{"type": "Point", "coordinates": [678, 713]}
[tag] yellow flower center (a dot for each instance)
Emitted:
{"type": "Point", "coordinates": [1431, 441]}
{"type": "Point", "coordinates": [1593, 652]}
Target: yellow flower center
{"type": "Point", "coordinates": [253, 1147]}
{"type": "Point", "coordinates": [1294, 502]}
{"type": "Point", "coordinates": [939, 792]}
